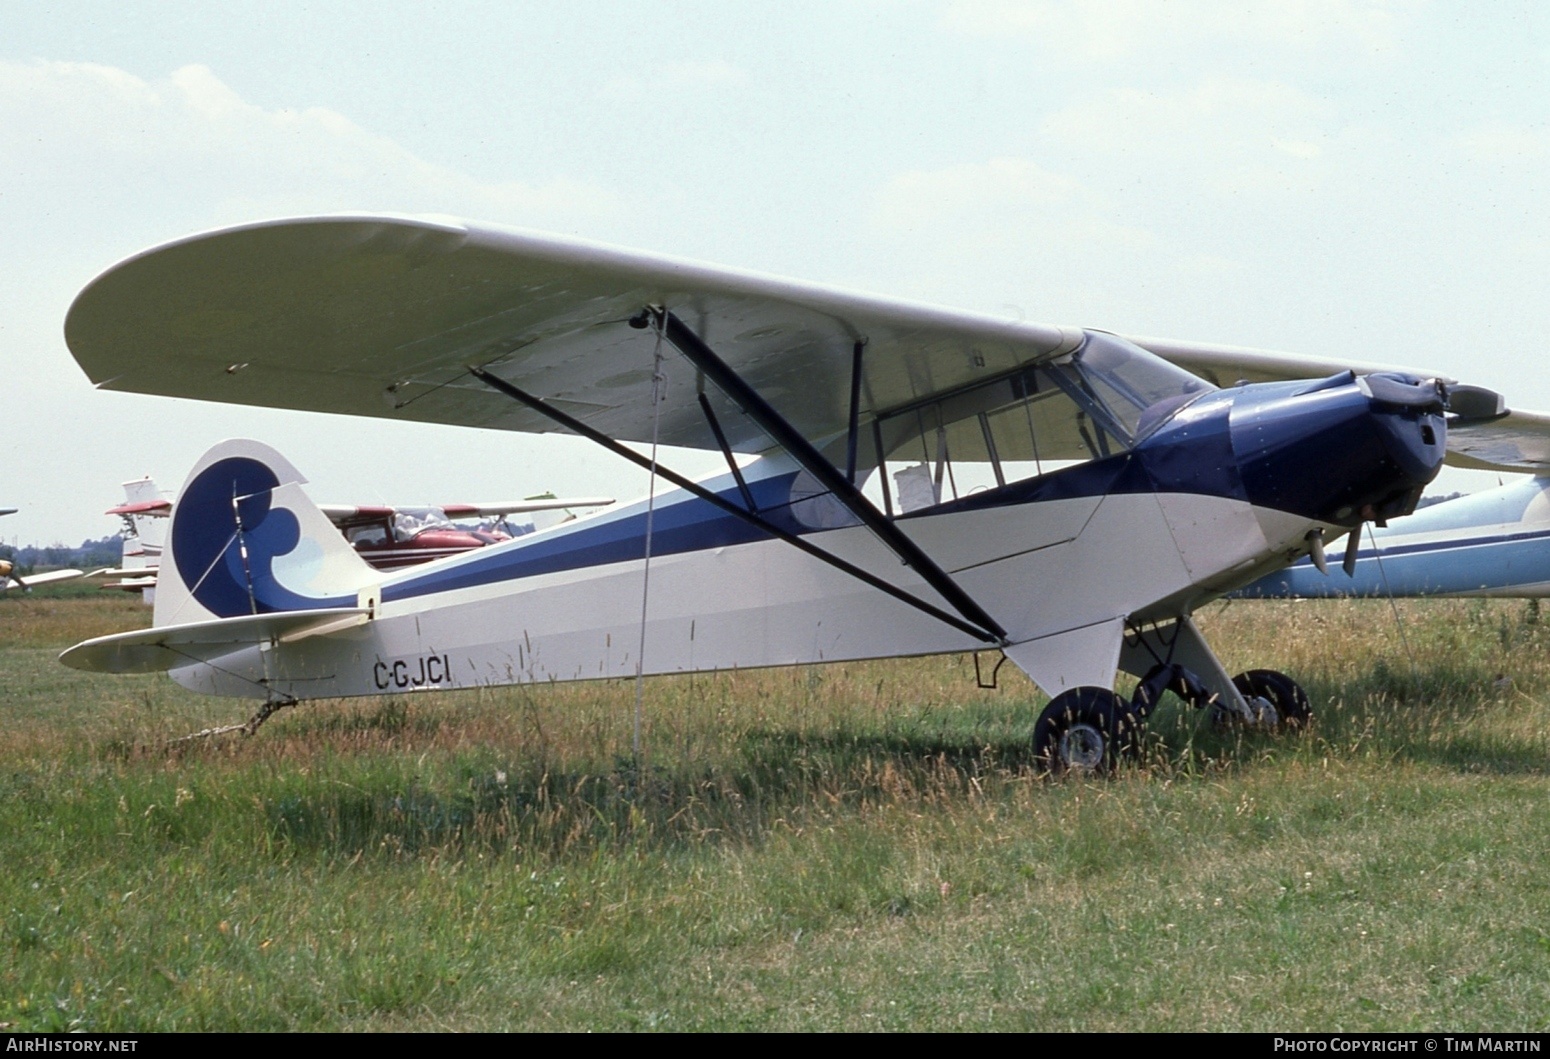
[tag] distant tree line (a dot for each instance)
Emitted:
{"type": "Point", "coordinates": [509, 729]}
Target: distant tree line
{"type": "Point", "coordinates": [107, 551]}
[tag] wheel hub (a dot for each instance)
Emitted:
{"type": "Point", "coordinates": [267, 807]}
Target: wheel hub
{"type": "Point", "coordinates": [1081, 748]}
{"type": "Point", "coordinates": [1265, 713]}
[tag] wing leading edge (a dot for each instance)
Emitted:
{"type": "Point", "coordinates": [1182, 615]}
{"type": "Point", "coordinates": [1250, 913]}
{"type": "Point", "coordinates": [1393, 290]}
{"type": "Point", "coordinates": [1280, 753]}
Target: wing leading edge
{"type": "Point", "coordinates": [383, 316]}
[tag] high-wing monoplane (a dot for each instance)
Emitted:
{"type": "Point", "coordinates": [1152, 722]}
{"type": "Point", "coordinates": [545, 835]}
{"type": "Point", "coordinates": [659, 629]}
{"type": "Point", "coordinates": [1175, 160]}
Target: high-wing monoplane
{"type": "Point", "coordinates": [1071, 497]}
{"type": "Point", "coordinates": [144, 514]}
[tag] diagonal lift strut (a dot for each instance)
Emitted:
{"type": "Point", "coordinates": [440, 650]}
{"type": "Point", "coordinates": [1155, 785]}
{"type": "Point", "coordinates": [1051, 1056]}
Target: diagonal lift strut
{"type": "Point", "coordinates": [576, 426]}
{"type": "Point", "coordinates": [788, 437]}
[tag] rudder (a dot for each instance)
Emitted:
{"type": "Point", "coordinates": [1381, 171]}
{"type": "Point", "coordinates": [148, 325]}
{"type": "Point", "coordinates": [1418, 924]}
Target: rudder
{"type": "Point", "coordinates": [245, 539]}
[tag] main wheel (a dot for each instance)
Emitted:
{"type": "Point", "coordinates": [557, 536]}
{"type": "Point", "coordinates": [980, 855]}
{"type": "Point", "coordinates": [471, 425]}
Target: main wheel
{"type": "Point", "coordinates": [1086, 730]}
{"type": "Point", "coordinates": [1283, 694]}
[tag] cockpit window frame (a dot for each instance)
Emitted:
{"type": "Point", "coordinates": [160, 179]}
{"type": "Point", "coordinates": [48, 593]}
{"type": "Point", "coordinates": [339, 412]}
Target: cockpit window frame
{"type": "Point", "coordinates": [1106, 381]}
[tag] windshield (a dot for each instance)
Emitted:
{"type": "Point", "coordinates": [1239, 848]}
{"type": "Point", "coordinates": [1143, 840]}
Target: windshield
{"type": "Point", "coordinates": [1138, 390]}
{"type": "Point", "coordinates": [1093, 403]}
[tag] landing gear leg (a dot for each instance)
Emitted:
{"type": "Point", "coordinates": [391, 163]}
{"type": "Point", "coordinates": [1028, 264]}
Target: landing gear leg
{"type": "Point", "coordinates": [1261, 698]}
{"type": "Point", "coordinates": [1178, 643]}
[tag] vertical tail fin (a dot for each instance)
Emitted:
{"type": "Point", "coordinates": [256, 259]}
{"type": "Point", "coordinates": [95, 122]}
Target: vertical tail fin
{"type": "Point", "coordinates": [245, 539]}
{"type": "Point", "coordinates": [145, 531]}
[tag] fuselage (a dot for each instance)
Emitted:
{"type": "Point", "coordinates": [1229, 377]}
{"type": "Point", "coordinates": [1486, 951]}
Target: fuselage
{"type": "Point", "coordinates": [1227, 487]}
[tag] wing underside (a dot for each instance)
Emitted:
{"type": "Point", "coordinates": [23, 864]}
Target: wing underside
{"type": "Point", "coordinates": [383, 317]}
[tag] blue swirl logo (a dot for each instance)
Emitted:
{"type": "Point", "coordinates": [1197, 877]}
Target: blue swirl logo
{"type": "Point", "coordinates": [227, 508]}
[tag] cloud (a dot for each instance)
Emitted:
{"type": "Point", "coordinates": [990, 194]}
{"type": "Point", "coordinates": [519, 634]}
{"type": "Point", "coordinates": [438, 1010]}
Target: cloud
{"type": "Point", "coordinates": [1001, 199]}
{"type": "Point", "coordinates": [990, 235]}
{"type": "Point", "coordinates": [1232, 134]}
{"type": "Point", "coordinates": [1113, 29]}
{"type": "Point", "coordinates": [1504, 145]}
{"type": "Point", "coordinates": [96, 163]}
{"type": "Point", "coordinates": [189, 146]}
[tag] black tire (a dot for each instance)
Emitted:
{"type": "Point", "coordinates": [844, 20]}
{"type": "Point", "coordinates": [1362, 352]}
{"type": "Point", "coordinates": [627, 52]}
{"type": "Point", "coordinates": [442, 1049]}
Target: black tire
{"type": "Point", "coordinates": [1291, 703]}
{"type": "Point", "coordinates": [1086, 730]}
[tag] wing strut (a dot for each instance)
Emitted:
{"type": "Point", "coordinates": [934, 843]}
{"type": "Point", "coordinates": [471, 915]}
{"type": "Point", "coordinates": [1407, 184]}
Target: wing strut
{"type": "Point", "coordinates": [802, 450]}
{"type": "Point", "coordinates": [726, 450]}
{"type": "Point", "coordinates": [855, 411]}
{"type": "Point", "coordinates": [570, 423]}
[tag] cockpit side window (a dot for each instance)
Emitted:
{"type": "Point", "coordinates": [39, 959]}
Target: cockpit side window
{"type": "Point", "coordinates": [1095, 402]}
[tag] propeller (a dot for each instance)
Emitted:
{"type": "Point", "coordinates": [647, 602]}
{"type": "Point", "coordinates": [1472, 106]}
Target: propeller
{"type": "Point", "coordinates": [8, 577]}
{"type": "Point", "coordinates": [1320, 558]}
{"type": "Point", "coordinates": [1315, 540]}
{"type": "Point", "coordinates": [1352, 546]}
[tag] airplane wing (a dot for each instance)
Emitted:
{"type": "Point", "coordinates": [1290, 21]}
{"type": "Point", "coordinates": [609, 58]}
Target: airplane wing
{"type": "Point", "coordinates": [151, 508]}
{"type": "Point", "coordinates": [131, 584]}
{"type": "Point", "coordinates": [1482, 432]}
{"type": "Point", "coordinates": [383, 316]}
{"type": "Point", "coordinates": [9, 581]}
{"type": "Point", "coordinates": [490, 509]}
{"type": "Point", "coordinates": [1518, 442]}
{"type": "Point", "coordinates": [495, 508]}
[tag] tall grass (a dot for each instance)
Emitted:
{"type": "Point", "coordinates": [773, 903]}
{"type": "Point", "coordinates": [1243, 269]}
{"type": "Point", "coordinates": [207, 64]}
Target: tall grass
{"type": "Point", "coordinates": [846, 846]}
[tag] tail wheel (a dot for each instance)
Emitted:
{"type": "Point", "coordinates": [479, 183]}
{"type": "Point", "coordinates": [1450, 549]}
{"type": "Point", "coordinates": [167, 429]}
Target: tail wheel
{"type": "Point", "coordinates": [1086, 730]}
{"type": "Point", "coordinates": [1284, 695]}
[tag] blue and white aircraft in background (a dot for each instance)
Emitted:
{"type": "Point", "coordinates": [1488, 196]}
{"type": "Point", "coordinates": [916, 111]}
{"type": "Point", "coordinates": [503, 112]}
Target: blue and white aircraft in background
{"type": "Point", "coordinates": [1492, 543]}
{"type": "Point", "coordinates": [924, 480]}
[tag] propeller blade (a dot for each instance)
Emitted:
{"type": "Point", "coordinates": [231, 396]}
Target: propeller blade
{"type": "Point", "coordinates": [1316, 551]}
{"type": "Point", "coordinates": [1353, 543]}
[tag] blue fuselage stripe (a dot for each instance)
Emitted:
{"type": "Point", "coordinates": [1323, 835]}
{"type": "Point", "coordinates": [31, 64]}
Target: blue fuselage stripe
{"type": "Point", "coordinates": [1198, 460]}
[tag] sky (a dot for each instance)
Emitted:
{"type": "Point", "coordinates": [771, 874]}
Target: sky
{"type": "Point", "coordinates": [1346, 178]}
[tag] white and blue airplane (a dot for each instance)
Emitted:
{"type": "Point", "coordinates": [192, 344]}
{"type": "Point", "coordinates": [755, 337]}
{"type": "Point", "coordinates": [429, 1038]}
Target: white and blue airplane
{"type": "Point", "coordinates": [1491, 543]}
{"type": "Point", "coordinates": [922, 480]}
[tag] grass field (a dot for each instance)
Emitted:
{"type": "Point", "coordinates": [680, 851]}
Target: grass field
{"type": "Point", "coordinates": [851, 846]}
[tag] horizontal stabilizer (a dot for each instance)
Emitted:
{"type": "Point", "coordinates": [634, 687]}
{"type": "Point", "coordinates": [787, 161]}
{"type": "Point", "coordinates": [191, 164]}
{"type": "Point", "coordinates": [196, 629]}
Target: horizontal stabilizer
{"type": "Point", "coordinates": [157, 650]}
